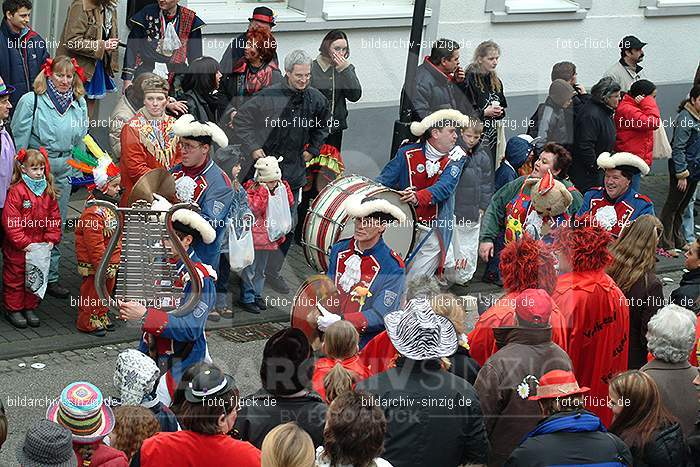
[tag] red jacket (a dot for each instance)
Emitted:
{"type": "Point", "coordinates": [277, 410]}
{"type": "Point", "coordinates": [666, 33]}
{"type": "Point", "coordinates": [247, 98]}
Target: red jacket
{"type": "Point", "coordinates": [635, 125]}
{"type": "Point", "coordinates": [258, 195]}
{"type": "Point", "coordinates": [28, 218]}
{"type": "Point", "coordinates": [379, 354]}
{"type": "Point", "coordinates": [104, 456]}
{"type": "Point", "coordinates": [482, 343]}
{"type": "Point", "coordinates": [597, 317]}
{"type": "Point", "coordinates": [189, 449]}
{"type": "Point", "coordinates": [325, 365]}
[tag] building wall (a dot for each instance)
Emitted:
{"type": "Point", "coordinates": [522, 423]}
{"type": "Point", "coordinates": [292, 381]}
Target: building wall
{"type": "Point", "coordinates": [379, 50]}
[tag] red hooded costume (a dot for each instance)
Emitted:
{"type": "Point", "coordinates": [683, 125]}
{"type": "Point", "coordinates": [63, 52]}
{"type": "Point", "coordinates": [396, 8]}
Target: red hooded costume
{"type": "Point", "coordinates": [518, 261]}
{"type": "Point", "coordinates": [596, 313]}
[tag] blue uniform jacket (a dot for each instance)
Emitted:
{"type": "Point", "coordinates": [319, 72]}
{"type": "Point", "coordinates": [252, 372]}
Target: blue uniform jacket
{"type": "Point", "coordinates": [395, 175]}
{"type": "Point", "coordinates": [174, 333]}
{"type": "Point", "coordinates": [384, 272]}
{"type": "Point", "coordinates": [214, 195]}
{"type": "Point", "coordinates": [628, 207]}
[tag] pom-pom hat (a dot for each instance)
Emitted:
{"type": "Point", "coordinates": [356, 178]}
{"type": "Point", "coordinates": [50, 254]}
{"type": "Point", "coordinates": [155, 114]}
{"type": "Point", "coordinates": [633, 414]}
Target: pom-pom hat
{"type": "Point", "coordinates": [82, 410]}
{"type": "Point", "coordinates": [267, 169]}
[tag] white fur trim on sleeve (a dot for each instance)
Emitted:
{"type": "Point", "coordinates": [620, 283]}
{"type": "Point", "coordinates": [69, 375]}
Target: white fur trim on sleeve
{"type": "Point", "coordinates": [356, 208]}
{"type": "Point", "coordinates": [418, 128]}
{"type": "Point", "coordinates": [611, 161]}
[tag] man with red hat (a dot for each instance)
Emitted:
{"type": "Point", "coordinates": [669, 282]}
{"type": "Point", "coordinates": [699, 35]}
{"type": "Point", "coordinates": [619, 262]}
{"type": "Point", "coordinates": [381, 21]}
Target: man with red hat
{"type": "Point", "coordinates": [525, 264]}
{"type": "Point", "coordinates": [262, 18]}
{"type": "Point", "coordinates": [595, 311]}
{"type": "Point", "coordinates": [569, 435]}
{"type": "Point", "coordinates": [510, 375]}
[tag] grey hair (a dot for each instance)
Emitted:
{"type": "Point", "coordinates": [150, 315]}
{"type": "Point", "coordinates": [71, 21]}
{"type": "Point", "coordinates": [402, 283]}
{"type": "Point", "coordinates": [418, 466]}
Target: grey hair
{"type": "Point", "coordinates": [671, 334]}
{"type": "Point", "coordinates": [296, 57]}
{"type": "Point", "coordinates": [605, 88]}
{"type": "Point", "coordinates": [422, 286]}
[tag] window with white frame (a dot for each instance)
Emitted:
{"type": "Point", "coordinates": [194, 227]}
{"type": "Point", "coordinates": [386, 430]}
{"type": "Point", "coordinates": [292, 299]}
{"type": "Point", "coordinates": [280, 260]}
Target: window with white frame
{"type": "Point", "coordinates": [670, 7]}
{"type": "Point", "coordinates": [503, 11]}
{"type": "Point", "coordinates": [355, 9]}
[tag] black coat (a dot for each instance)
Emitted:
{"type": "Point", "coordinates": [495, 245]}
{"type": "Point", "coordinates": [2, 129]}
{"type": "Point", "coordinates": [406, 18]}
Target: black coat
{"type": "Point", "coordinates": [434, 91]}
{"type": "Point", "coordinates": [338, 87]}
{"type": "Point", "coordinates": [562, 447]}
{"type": "Point", "coordinates": [668, 447]}
{"type": "Point", "coordinates": [594, 133]}
{"type": "Point", "coordinates": [464, 366]}
{"type": "Point", "coordinates": [262, 411]}
{"type": "Point", "coordinates": [422, 428]}
{"type": "Point", "coordinates": [554, 123]}
{"type": "Point", "coordinates": [687, 294]}
{"type": "Point", "coordinates": [281, 121]}
{"type": "Point", "coordinates": [694, 443]}
{"type": "Point", "coordinates": [645, 299]}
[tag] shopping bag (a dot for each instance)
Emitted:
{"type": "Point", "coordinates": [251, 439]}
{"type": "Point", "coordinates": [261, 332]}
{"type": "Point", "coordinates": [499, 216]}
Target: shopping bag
{"type": "Point", "coordinates": [241, 249]}
{"type": "Point", "coordinates": [279, 215]}
{"type": "Point", "coordinates": [662, 147]}
{"type": "Point", "coordinates": [36, 269]}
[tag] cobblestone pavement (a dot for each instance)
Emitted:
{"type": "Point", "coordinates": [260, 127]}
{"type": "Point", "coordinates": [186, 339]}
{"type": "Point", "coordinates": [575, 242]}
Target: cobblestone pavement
{"type": "Point", "coordinates": [57, 332]}
{"type": "Point", "coordinates": [30, 383]}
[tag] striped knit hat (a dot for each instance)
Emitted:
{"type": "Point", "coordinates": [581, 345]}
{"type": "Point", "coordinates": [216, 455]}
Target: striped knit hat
{"type": "Point", "coordinates": [82, 410]}
{"type": "Point", "coordinates": [419, 334]}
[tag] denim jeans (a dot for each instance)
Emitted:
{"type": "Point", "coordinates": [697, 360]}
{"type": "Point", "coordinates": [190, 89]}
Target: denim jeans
{"type": "Point", "coordinates": [689, 219]}
{"type": "Point", "coordinates": [253, 277]}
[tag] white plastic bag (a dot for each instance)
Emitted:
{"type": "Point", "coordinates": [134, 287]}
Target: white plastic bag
{"type": "Point", "coordinates": [36, 269]}
{"type": "Point", "coordinates": [241, 251]}
{"type": "Point", "coordinates": [279, 215]}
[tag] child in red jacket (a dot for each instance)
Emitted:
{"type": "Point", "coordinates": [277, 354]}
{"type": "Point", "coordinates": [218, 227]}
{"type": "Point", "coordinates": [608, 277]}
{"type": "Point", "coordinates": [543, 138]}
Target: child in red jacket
{"type": "Point", "coordinates": [636, 118]}
{"type": "Point", "coordinates": [30, 217]}
{"type": "Point", "coordinates": [269, 230]}
{"type": "Point", "coordinates": [342, 367]}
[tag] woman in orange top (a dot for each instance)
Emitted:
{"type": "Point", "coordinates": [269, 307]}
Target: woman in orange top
{"type": "Point", "coordinates": [148, 140]}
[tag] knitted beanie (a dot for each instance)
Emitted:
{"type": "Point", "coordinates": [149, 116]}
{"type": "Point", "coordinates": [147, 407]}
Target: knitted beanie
{"type": "Point", "coordinates": [267, 169]}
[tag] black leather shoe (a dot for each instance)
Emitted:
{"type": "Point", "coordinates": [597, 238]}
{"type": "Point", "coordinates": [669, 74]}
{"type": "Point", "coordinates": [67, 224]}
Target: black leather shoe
{"type": "Point", "coordinates": [249, 307]}
{"type": "Point", "coordinates": [214, 315]}
{"type": "Point", "coordinates": [260, 303]}
{"type": "Point", "coordinates": [17, 320]}
{"type": "Point", "coordinates": [56, 290]}
{"type": "Point", "coordinates": [98, 332]}
{"type": "Point", "coordinates": [278, 284]}
{"type": "Point", "coordinates": [32, 319]}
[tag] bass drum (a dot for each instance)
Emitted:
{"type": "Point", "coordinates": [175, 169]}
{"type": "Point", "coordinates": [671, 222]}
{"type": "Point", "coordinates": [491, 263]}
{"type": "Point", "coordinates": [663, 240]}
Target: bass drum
{"type": "Point", "coordinates": [327, 221]}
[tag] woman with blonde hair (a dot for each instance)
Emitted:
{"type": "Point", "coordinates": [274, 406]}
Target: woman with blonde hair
{"type": "Point", "coordinates": [461, 363]}
{"type": "Point", "coordinates": [484, 89]}
{"type": "Point", "coordinates": [633, 270]}
{"type": "Point", "coordinates": [288, 445]}
{"type": "Point", "coordinates": [640, 419]}
{"type": "Point", "coordinates": [54, 116]}
{"type": "Point", "coordinates": [133, 424]}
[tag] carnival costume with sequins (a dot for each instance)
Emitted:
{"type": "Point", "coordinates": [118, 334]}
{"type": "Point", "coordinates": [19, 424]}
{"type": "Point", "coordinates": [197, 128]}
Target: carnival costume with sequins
{"type": "Point", "coordinates": [147, 143]}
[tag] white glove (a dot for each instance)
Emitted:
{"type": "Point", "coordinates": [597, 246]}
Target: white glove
{"type": "Point", "coordinates": [457, 153]}
{"type": "Point", "coordinates": [326, 319]}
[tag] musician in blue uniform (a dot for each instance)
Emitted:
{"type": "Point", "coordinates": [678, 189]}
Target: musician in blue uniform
{"type": "Point", "coordinates": [426, 173]}
{"type": "Point", "coordinates": [198, 179]}
{"type": "Point", "coordinates": [177, 342]}
{"type": "Point", "coordinates": [616, 204]}
{"type": "Point", "coordinates": [368, 275]}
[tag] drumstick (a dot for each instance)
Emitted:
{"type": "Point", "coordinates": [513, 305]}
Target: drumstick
{"type": "Point", "coordinates": [323, 311]}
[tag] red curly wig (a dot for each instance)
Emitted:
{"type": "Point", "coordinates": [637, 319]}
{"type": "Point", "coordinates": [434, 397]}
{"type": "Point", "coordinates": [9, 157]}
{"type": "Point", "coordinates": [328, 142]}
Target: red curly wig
{"type": "Point", "coordinates": [586, 247]}
{"type": "Point", "coordinates": [527, 264]}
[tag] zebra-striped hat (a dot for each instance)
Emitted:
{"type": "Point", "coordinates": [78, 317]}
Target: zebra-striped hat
{"type": "Point", "coordinates": [419, 334]}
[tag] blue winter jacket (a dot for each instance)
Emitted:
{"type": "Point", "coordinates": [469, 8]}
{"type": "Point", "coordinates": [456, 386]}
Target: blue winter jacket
{"type": "Point", "coordinates": [21, 57]}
